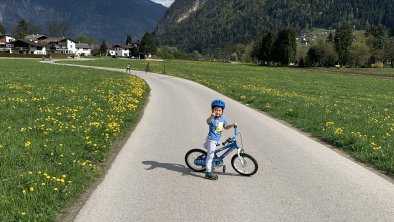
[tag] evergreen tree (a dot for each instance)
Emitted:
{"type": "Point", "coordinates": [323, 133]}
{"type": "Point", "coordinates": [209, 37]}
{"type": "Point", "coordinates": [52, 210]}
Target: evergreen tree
{"type": "Point", "coordinates": [148, 45]}
{"type": "Point", "coordinates": [103, 48]}
{"type": "Point", "coordinates": [285, 46]}
{"type": "Point", "coordinates": [21, 29]}
{"type": "Point", "coordinates": [2, 29]}
{"type": "Point", "coordinates": [267, 46]}
{"type": "Point", "coordinates": [128, 40]}
{"type": "Point", "coordinates": [343, 40]}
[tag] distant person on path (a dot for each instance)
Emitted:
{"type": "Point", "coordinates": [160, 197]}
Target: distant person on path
{"type": "Point", "coordinates": [147, 67]}
{"type": "Point", "coordinates": [216, 124]}
{"type": "Point", "coordinates": [128, 68]}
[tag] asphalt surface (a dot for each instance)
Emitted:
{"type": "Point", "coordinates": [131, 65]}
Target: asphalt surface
{"type": "Point", "coordinates": [299, 179]}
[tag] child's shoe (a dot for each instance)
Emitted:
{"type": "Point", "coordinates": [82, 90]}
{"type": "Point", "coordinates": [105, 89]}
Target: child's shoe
{"type": "Point", "coordinates": [210, 176]}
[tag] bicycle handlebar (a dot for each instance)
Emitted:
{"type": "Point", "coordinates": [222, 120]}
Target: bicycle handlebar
{"type": "Point", "coordinates": [231, 139]}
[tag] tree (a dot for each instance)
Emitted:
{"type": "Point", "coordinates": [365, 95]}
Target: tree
{"type": "Point", "coordinates": [322, 53]}
{"type": "Point", "coordinates": [128, 40]}
{"type": "Point", "coordinates": [285, 46]}
{"type": "Point", "coordinates": [389, 51]}
{"type": "Point", "coordinates": [256, 49]}
{"type": "Point", "coordinates": [359, 54]}
{"type": "Point", "coordinates": [90, 40]}
{"type": "Point", "coordinates": [21, 29]}
{"type": "Point", "coordinates": [2, 29]}
{"type": "Point", "coordinates": [148, 45]}
{"type": "Point", "coordinates": [103, 48]}
{"type": "Point", "coordinates": [376, 41]}
{"type": "Point", "coordinates": [266, 50]}
{"type": "Point", "coordinates": [343, 40]}
{"type": "Point", "coordinates": [58, 28]}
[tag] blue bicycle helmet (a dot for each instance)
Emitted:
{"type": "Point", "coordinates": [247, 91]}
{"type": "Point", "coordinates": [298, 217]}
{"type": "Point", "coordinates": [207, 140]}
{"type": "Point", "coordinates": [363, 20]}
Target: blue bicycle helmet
{"type": "Point", "coordinates": [218, 103]}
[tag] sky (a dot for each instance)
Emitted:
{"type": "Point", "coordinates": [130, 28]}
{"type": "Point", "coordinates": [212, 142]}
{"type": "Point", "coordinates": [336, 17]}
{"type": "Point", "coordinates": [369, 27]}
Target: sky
{"type": "Point", "coordinates": [166, 3]}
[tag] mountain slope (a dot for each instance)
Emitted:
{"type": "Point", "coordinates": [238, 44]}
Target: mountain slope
{"type": "Point", "coordinates": [111, 20]}
{"type": "Point", "coordinates": [202, 24]}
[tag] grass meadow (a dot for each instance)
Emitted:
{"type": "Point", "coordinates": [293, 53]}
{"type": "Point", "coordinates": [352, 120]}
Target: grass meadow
{"type": "Point", "coordinates": [354, 113]}
{"type": "Point", "coordinates": [58, 124]}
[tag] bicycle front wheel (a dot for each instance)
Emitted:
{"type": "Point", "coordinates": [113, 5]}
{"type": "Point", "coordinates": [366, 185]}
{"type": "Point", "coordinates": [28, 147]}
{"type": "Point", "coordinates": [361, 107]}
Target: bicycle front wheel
{"type": "Point", "coordinates": [249, 166]}
{"type": "Point", "coordinates": [195, 159]}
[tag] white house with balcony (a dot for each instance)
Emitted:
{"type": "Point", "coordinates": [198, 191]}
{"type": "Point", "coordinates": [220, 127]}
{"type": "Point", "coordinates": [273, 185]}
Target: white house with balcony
{"type": "Point", "coordinates": [60, 45]}
{"type": "Point", "coordinates": [83, 49]}
{"type": "Point", "coordinates": [24, 46]}
{"type": "Point", "coordinates": [5, 43]}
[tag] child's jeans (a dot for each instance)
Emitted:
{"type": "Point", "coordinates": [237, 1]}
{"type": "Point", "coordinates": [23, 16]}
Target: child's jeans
{"type": "Point", "coordinates": [210, 145]}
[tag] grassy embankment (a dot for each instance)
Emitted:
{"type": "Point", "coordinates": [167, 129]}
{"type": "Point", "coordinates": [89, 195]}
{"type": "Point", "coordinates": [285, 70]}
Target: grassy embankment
{"type": "Point", "coordinates": [57, 125]}
{"type": "Point", "coordinates": [355, 113]}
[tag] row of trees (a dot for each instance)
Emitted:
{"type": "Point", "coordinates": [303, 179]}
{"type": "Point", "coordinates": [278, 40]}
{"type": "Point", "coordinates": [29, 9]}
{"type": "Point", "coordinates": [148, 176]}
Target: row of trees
{"type": "Point", "coordinates": [343, 47]}
{"type": "Point", "coordinates": [279, 48]}
{"type": "Point", "coordinates": [52, 28]}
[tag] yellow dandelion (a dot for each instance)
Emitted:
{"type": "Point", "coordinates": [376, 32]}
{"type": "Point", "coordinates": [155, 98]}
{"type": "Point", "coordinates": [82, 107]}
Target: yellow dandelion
{"type": "Point", "coordinates": [42, 184]}
{"type": "Point", "coordinates": [24, 191]}
{"type": "Point", "coordinates": [27, 143]}
{"type": "Point", "coordinates": [64, 175]}
{"type": "Point", "coordinates": [55, 189]}
{"type": "Point", "coordinates": [23, 213]}
{"type": "Point", "coordinates": [30, 172]}
{"type": "Point", "coordinates": [31, 189]}
{"type": "Point", "coordinates": [338, 130]}
{"type": "Point", "coordinates": [329, 123]}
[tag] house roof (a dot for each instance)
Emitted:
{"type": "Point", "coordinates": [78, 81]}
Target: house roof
{"type": "Point", "coordinates": [2, 35]}
{"type": "Point", "coordinates": [32, 43]}
{"type": "Point", "coordinates": [82, 45]}
{"type": "Point", "coordinates": [35, 37]}
{"type": "Point", "coordinates": [55, 39]}
{"type": "Point", "coordinates": [122, 46]}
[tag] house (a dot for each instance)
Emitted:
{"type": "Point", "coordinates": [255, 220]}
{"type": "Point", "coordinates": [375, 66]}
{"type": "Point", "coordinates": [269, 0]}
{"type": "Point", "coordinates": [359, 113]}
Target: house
{"type": "Point", "coordinates": [24, 46]}
{"type": "Point", "coordinates": [5, 43]}
{"type": "Point", "coordinates": [110, 51]}
{"type": "Point", "coordinates": [122, 50]}
{"type": "Point", "coordinates": [83, 49]}
{"type": "Point", "coordinates": [60, 45]}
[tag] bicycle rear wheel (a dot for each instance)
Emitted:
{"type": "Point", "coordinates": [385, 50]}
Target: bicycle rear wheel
{"type": "Point", "coordinates": [249, 167]}
{"type": "Point", "coordinates": [192, 156]}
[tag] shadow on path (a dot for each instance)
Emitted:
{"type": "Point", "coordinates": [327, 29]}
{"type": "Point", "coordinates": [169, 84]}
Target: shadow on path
{"type": "Point", "coordinates": [172, 167]}
{"type": "Point", "coordinates": [179, 168]}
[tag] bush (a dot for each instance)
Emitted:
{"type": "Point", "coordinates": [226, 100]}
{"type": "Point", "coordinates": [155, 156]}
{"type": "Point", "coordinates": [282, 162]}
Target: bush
{"type": "Point", "coordinates": [377, 65]}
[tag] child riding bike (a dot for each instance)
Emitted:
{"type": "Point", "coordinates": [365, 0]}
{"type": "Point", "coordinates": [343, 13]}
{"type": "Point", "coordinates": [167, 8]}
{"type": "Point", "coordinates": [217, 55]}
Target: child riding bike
{"type": "Point", "coordinates": [216, 124]}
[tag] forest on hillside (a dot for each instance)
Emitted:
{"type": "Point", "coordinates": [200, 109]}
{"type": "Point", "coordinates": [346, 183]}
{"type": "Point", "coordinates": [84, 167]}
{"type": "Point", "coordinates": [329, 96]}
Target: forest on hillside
{"type": "Point", "coordinates": [222, 22]}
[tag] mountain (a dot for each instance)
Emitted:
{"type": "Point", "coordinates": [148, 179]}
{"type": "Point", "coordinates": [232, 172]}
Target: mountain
{"type": "Point", "coordinates": [111, 20]}
{"type": "Point", "coordinates": [204, 25]}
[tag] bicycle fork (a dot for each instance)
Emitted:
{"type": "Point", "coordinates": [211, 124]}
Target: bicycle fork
{"type": "Point", "coordinates": [240, 157]}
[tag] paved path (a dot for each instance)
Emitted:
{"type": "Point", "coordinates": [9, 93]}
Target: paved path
{"type": "Point", "coordinates": [299, 179]}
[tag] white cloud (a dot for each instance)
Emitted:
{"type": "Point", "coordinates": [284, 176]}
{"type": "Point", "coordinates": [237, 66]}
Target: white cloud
{"type": "Point", "coordinates": [166, 3]}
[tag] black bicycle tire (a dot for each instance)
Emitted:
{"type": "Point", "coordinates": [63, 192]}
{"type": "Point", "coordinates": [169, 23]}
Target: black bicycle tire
{"type": "Point", "coordinates": [192, 151]}
{"type": "Point", "coordinates": [248, 156]}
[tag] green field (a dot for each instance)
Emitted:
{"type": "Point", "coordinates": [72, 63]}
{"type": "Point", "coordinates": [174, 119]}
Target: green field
{"type": "Point", "coordinates": [354, 113]}
{"type": "Point", "coordinates": [58, 124]}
